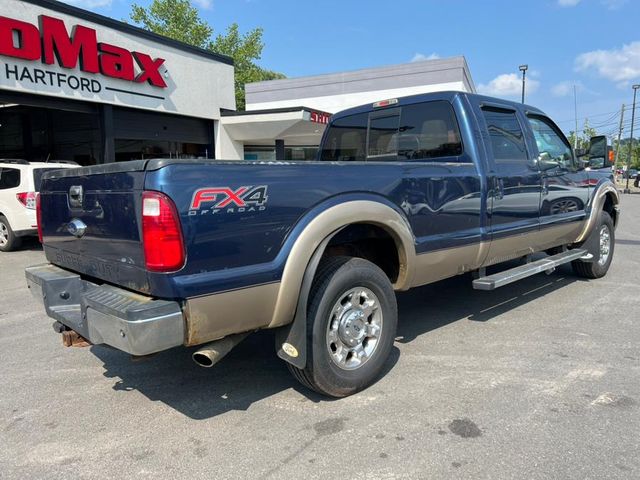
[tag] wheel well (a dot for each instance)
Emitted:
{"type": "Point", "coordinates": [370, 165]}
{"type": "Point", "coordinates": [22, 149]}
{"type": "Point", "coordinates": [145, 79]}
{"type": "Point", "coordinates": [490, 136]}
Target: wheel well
{"type": "Point", "coordinates": [610, 209]}
{"type": "Point", "coordinates": [370, 242]}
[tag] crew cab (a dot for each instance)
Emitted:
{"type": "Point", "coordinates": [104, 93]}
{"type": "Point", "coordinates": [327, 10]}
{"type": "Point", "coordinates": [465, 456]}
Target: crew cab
{"type": "Point", "coordinates": [149, 255]}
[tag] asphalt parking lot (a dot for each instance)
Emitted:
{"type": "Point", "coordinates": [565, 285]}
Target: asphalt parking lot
{"type": "Point", "coordinates": [537, 380]}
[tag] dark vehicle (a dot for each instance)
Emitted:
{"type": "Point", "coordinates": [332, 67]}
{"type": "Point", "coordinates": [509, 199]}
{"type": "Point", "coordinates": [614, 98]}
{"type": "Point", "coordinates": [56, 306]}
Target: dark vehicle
{"type": "Point", "coordinates": [149, 255]}
{"type": "Point", "coordinates": [631, 173]}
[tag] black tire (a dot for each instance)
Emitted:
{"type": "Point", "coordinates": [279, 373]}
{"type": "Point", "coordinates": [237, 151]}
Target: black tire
{"type": "Point", "coordinates": [336, 276]}
{"type": "Point", "coordinates": [596, 268]}
{"type": "Point", "coordinates": [8, 239]}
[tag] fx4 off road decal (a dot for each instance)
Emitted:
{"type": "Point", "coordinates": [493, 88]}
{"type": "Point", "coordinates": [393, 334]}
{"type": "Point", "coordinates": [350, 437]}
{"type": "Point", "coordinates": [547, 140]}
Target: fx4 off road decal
{"type": "Point", "coordinates": [212, 200]}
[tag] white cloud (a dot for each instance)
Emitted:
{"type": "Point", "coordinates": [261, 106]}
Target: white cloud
{"type": "Point", "coordinates": [618, 65]}
{"type": "Point", "coordinates": [565, 89]}
{"type": "Point", "coordinates": [613, 4]}
{"type": "Point", "coordinates": [508, 85]}
{"type": "Point", "coordinates": [568, 3]}
{"type": "Point", "coordinates": [562, 89]}
{"type": "Point", "coordinates": [90, 3]}
{"type": "Point", "coordinates": [419, 57]}
{"type": "Point", "coordinates": [204, 4]}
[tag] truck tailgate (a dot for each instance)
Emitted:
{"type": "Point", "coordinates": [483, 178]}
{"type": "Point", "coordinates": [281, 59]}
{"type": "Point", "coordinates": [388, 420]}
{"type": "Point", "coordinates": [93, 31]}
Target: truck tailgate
{"type": "Point", "coordinates": [91, 223]}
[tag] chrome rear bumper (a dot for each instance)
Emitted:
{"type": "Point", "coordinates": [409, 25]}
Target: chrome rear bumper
{"type": "Point", "coordinates": [104, 314]}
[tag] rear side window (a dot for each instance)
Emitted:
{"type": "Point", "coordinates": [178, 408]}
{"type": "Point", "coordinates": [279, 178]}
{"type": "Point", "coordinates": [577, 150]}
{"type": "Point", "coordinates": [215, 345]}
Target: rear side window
{"type": "Point", "coordinates": [346, 138]}
{"type": "Point", "coordinates": [9, 178]}
{"type": "Point", "coordinates": [37, 176]}
{"type": "Point", "coordinates": [507, 139]}
{"type": "Point", "coordinates": [423, 131]}
{"type": "Point", "coordinates": [428, 131]}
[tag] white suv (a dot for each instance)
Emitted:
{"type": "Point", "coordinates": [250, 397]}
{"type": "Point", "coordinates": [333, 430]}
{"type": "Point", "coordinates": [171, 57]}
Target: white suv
{"type": "Point", "coordinates": [19, 183]}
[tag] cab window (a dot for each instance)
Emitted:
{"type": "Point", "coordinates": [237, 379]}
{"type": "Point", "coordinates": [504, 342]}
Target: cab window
{"type": "Point", "coordinates": [383, 131]}
{"type": "Point", "coordinates": [345, 140]}
{"type": "Point", "coordinates": [507, 139]}
{"type": "Point", "coordinates": [428, 131]}
{"type": "Point", "coordinates": [552, 146]}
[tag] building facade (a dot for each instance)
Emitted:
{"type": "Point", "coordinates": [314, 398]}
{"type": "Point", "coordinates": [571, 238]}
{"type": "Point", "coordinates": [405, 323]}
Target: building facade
{"type": "Point", "coordinates": [79, 86]}
{"type": "Point", "coordinates": [297, 110]}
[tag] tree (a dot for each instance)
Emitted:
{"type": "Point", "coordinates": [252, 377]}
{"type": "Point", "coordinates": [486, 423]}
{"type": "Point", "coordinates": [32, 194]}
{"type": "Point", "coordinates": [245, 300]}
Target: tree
{"type": "Point", "coordinates": [623, 154]}
{"type": "Point", "coordinates": [584, 137]}
{"type": "Point", "coordinates": [180, 20]}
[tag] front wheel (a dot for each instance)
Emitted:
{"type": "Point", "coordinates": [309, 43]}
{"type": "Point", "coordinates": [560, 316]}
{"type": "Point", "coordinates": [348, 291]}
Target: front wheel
{"type": "Point", "coordinates": [351, 325]}
{"type": "Point", "coordinates": [604, 255]}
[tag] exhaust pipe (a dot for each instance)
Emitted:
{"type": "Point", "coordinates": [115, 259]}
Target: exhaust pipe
{"type": "Point", "coordinates": [213, 352]}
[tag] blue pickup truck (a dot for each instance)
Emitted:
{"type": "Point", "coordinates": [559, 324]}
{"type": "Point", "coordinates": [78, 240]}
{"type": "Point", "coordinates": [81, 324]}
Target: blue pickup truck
{"type": "Point", "coordinates": [149, 255]}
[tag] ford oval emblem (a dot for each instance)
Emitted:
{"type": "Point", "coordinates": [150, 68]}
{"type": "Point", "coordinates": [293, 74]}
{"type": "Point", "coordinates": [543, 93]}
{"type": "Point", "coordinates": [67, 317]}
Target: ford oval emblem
{"type": "Point", "coordinates": [76, 227]}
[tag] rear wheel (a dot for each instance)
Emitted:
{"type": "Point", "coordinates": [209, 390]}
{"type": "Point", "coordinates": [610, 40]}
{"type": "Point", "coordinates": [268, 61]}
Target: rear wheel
{"type": "Point", "coordinates": [8, 239]}
{"type": "Point", "coordinates": [604, 255]}
{"type": "Point", "coordinates": [351, 325]}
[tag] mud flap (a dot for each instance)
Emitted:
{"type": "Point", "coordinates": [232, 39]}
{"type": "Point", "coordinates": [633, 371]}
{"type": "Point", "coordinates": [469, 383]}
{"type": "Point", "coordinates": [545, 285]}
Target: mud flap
{"type": "Point", "coordinates": [291, 340]}
{"type": "Point", "coordinates": [592, 245]}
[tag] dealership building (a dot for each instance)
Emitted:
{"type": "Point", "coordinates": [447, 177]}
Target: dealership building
{"type": "Point", "coordinates": [79, 86]}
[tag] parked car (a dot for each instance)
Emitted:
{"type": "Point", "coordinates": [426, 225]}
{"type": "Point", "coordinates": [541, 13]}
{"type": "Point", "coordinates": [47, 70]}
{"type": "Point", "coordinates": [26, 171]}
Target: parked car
{"type": "Point", "coordinates": [19, 183]}
{"type": "Point", "coordinates": [154, 254]}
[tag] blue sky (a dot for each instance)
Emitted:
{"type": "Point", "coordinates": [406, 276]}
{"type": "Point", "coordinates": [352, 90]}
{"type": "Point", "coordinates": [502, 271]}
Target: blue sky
{"type": "Point", "coordinates": [594, 44]}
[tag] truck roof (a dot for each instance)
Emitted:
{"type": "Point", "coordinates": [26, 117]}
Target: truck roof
{"type": "Point", "coordinates": [446, 95]}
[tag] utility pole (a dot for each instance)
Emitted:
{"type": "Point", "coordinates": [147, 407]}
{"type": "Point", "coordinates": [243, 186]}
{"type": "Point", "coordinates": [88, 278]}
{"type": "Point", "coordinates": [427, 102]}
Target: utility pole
{"type": "Point", "coordinates": [633, 116]}
{"type": "Point", "coordinates": [575, 111]}
{"type": "Point", "coordinates": [619, 136]}
{"type": "Point", "coordinates": [523, 69]}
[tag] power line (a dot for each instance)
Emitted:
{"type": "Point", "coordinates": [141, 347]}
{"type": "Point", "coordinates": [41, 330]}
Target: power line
{"type": "Point", "coordinates": [612, 114]}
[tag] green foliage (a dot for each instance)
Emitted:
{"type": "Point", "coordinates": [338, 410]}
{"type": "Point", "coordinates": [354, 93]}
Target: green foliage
{"type": "Point", "coordinates": [175, 19]}
{"type": "Point", "coordinates": [583, 137]}
{"type": "Point", "coordinates": [179, 20]}
{"type": "Point", "coordinates": [623, 154]}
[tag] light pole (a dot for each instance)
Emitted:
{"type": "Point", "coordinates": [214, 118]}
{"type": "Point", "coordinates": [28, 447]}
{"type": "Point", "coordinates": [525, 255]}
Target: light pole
{"type": "Point", "coordinates": [523, 69]}
{"type": "Point", "coordinates": [633, 115]}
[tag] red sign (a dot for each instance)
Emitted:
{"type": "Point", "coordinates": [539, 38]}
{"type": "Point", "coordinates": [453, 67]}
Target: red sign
{"type": "Point", "coordinates": [51, 43]}
{"type": "Point", "coordinates": [320, 117]}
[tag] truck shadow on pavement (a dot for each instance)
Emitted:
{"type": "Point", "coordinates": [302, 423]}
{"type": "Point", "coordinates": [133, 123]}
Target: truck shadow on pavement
{"type": "Point", "coordinates": [252, 372]}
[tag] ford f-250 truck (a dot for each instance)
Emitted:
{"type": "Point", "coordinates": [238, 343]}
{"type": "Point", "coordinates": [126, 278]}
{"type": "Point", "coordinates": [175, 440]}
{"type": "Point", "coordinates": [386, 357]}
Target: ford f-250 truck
{"type": "Point", "coordinates": [150, 255]}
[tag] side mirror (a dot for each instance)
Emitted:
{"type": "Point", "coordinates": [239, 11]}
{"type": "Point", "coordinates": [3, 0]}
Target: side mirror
{"type": "Point", "coordinates": [598, 146]}
{"type": "Point", "coordinates": [545, 162]}
{"type": "Point", "coordinates": [598, 152]}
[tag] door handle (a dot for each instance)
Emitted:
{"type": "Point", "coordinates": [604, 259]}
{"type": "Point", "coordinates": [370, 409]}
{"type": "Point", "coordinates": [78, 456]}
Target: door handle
{"type": "Point", "coordinates": [545, 188]}
{"type": "Point", "coordinates": [499, 190]}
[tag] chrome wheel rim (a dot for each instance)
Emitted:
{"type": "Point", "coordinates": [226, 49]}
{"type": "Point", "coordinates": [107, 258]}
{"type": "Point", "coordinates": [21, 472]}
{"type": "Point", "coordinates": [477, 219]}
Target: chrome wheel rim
{"type": "Point", "coordinates": [605, 245]}
{"type": "Point", "coordinates": [353, 331]}
{"type": "Point", "coordinates": [4, 234]}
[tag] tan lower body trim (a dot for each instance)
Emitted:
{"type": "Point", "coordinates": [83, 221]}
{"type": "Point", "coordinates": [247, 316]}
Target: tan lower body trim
{"type": "Point", "coordinates": [434, 266]}
{"type": "Point", "coordinates": [215, 316]}
{"type": "Point", "coordinates": [516, 246]}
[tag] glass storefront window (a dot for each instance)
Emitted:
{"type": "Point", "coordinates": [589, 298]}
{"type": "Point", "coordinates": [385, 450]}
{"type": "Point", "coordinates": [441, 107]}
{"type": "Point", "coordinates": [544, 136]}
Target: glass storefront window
{"type": "Point", "coordinates": [267, 154]}
{"type": "Point", "coordinates": [141, 149]}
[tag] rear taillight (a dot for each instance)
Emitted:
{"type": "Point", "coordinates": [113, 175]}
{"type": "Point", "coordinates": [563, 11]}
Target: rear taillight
{"type": "Point", "coordinates": [39, 216]}
{"type": "Point", "coordinates": [161, 233]}
{"type": "Point", "coordinates": [28, 199]}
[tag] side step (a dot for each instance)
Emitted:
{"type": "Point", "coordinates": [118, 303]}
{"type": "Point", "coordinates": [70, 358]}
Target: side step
{"type": "Point", "coordinates": [500, 279]}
